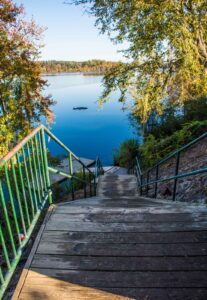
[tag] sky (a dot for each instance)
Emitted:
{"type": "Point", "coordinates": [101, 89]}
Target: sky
{"type": "Point", "coordinates": [71, 33]}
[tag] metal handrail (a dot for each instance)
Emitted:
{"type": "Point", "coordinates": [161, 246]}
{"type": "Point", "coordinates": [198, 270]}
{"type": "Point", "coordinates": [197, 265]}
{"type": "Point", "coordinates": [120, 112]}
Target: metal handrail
{"type": "Point", "coordinates": [140, 175]}
{"type": "Point", "coordinates": [98, 168]}
{"type": "Point", "coordinates": [25, 189]}
{"type": "Point", "coordinates": [65, 147]}
{"type": "Point", "coordinates": [177, 151]}
{"type": "Point", "coordinates": [21, 144]}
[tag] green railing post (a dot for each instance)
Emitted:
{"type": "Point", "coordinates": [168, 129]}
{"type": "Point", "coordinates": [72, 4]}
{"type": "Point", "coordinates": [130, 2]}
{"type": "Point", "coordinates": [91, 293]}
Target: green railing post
{"type": "Point", "coordinates": [70, 164]}
{"type": "Point", "coordinates": [176, 173]}
{"type": "Point", "coordinates": [4, 248]}
{"type": "Point", "coordinates": [35, 170]}
{"type": "Point", "coordinates": [28, 182]}
{"type": "Point", "coordinates": [25, 188]}
{"type": "Point", "coordinates": [42, 162]}
{"type": "Point", "coordinates": [12, 203]}
{"type": "Point", "coordinates": [7, 220]}
{"type": "Point", "coordinates": [31, 175]}
{"type": "Point", "coordinates": [45, 161]}
{"type": "Point", "coordinates": [71, 173]}
{"type": "Point", "coordinates": [38, 165]}
{"type": "Point", "coordinates": [19, 201]}
{"type": "Point", "coordinates": [1, 276]}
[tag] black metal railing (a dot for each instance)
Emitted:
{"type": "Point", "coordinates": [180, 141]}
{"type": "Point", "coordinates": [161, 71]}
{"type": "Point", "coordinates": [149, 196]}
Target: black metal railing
{"type": "Point", "coordinates": [151, 178]}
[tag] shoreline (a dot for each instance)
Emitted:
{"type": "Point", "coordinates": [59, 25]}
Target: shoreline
{"type": "Point", "coordinates": [73, 73]}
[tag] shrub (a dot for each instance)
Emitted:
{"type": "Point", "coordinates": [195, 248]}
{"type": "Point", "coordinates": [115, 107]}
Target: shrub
{"type": "Point", "coordinates": [173, 118]}
{"type": "Point", "coordinates": [155, 149]}
{"type": "Point", "coordinates": [125, 156]}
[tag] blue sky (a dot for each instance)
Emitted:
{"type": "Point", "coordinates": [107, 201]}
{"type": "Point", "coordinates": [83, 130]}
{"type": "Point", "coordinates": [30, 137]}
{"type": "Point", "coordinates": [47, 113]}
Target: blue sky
{"type": "Point", "coordinates": [70, 34]}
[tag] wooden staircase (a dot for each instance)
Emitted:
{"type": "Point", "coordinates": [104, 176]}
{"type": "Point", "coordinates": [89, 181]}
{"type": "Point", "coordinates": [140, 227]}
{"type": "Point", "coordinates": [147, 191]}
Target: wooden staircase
{"type": "Point", "coordinates": [119, 246]}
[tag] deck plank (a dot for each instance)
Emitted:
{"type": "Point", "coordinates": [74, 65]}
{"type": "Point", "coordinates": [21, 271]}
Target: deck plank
{"type": "Point", "coordinates": [120, 279]}
{"type": "Point", "coordinates": [120, 263]}
{"type": "Point", "coordinates": [125, 237]}
{"type": "Point", "coordinates": [133, 216]}
{"type": "Point", "coordinates": [59, 223]}
{"type": "Point", "coordinates": [69, 292]}
{"type": "Point", "coordinates": [119, 248]}
{"type": "Point", "coordinates": [108, 249]}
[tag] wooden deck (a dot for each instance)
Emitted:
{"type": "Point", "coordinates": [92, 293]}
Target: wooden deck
{"type": "Point", "coordinates": [112, 247]}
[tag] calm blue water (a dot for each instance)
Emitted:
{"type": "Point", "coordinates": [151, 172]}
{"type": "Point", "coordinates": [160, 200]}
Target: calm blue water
{"type": "Point", "coordinates": [88, 133]}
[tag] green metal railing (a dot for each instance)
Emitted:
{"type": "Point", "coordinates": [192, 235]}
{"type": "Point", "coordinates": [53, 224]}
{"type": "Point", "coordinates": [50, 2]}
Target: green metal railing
{"type": "Point", "coordinates": [25, 189]}
{"type": "Point", "coordinates": [152, 177]}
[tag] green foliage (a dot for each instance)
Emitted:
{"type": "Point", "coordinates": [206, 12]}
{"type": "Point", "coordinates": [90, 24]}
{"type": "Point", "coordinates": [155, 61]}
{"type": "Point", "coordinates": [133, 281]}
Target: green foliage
{"type": "Point", "coordinates": [54, 160]}
{"type": "Point", "coordinates": [167, 50]}
{"type": "Point", "coordinates": [21, 101]}
{"type": "Point", "coordinates": [155, 149]}
{"type": "Point", "coordinates": [66, 186]}
{"type": "Point", "coordinates": [195, 109]}
{"type": "Point", "coordinates": [94, 66]}
{"type": "Point", "coordinates": [125, 156]}
{"type": "Point", "coordinates": [77, 184]}
{"type": "Point", "coordinates": [173, 118]}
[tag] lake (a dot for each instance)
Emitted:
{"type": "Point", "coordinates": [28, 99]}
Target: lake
{"type": "Point", "coordinates": [92, 132]}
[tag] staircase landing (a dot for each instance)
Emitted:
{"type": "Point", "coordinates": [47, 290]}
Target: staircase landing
{"type": "Point", "coordinates": [118, 246]}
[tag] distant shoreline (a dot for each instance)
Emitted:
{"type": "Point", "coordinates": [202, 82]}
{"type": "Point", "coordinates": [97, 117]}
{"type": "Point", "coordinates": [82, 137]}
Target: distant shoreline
{"type": "Point", "coordinates": [73, 73]}
{"type": "Point", "coordinates": [87, 68]}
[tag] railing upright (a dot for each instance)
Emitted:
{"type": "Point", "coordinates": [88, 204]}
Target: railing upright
{"type": "Point", "coordinates": [7, 220]}
{"type": "Point", "coordinates": [148, 174]}
{"type": "Point", "coordinates": [85, 185]}
{"type": "Point", "coordinates": [28, 182]}
{"type": "Point", "coordinates": [42, 162]}
{"type": "Point", "coordinates": [47, 176]}
{"type": "Point", "coordinates": [156, 179]}
{"type": "Point", "coordinates": [71, 173]}
{"type": "Point", "coordinates": [144, 177]}
{"type": "Point", "coordinates": [18, 198]}
{"type": "Point", "coordinates": [25, 188]}
{"type": "Point", "coordinates": [176, 173]}
{"type": "Point", "coordinates": [141, 181]}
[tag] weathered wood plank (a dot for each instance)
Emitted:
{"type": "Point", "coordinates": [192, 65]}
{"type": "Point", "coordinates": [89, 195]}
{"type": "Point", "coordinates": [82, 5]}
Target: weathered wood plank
{"type": "Point", "coordinates": [56, 222]}
{"type": "Point", "coordinates": [119, 210]}
{"type": "Point", "coordinates": [162, 209]}
{"type": "Point", "coordinates": [106, 249]}
{"type": "Point", "coordinates": [119, 279]}
{"type": "Point", "coordinates": [133, 216]}
{"type": "Point", "coordinates": [125, 237]}
{"type": "Point", "coordinates": [26, 270]}
{"type": "Point", "coordinates": [120, 263]}
{"type": "Point", "coordinates": [118, 202]}
{"type": "Point", "coordinates": [65, 292]}
{"type": "Point", "coordinates": [68, 292]}
{"type": "Point", "coordinates": [120, 248]}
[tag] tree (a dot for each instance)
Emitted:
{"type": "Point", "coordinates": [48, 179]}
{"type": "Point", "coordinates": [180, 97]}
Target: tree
{"type": "Point", "coordinates": [21, 100]}
{"type": "Point", "coordinates": [167, 52]}
{"type": "Point", "coordinates": [90, 66]}
{"type": "Point", "coordinates": [126, 155]}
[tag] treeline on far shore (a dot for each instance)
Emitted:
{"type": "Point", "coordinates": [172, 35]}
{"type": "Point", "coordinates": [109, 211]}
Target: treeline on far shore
{"type": "Point", "coordinates": [90, 66]}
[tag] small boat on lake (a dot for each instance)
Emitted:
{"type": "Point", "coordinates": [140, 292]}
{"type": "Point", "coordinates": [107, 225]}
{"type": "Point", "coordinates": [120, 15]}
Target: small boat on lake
{"type": "Point", "coordinates": [80, 108]}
